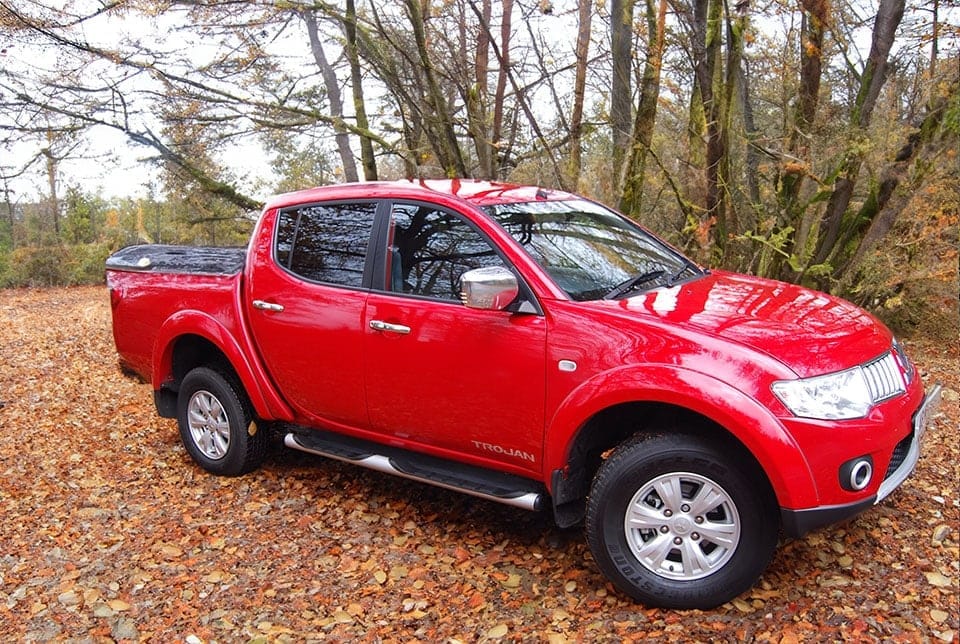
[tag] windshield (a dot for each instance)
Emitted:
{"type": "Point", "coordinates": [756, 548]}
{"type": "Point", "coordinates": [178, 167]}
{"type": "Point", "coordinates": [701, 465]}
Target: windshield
{"type": "Point", "coordinates": [591, 252]}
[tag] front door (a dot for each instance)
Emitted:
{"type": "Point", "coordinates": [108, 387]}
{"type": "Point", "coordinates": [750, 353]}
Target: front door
{"type": "Point", "coordinates": [465, 382]}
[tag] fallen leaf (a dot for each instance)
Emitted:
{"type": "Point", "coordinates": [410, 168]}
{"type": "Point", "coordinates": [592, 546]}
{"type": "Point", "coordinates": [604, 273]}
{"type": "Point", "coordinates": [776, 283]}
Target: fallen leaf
{"type": "Point", "coordinates": [498, 631]}
{"type": "Point", "coordinates": [118, 605]}
{"type": "Point", "coordinates": [108, 512]}
{"type": "Point", "coordinates": [939, 616]}
{"type": "Point", "coordinates": [215, 577]}
{"type": "Point", "coordinates": [938, 580]}
{"type": "Point", "coordinates": [69, 598]}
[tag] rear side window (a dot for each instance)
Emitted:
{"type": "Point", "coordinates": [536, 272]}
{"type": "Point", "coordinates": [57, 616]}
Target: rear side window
{"type": "Point", "coordinates": [326, 243]}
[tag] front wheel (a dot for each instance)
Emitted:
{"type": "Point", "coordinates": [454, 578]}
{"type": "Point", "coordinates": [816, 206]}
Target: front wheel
{"type": "Point", "coordinates": [673, 523]}
{"type": "Point", "coordinates": [216, 425]}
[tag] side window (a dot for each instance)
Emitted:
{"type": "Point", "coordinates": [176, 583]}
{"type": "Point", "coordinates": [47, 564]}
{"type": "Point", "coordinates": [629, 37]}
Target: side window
{"type": "Point", "coordinates": [430, 249]}
{"type": "Point", "coordinates": [286, 231]}
{"type": "Point", "coordinates": [326, 243]}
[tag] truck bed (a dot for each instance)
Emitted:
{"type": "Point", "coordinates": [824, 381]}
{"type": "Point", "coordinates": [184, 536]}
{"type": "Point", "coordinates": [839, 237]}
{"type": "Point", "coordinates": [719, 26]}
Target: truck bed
{"type": "Point", "coordinates": [161, 258]}
{"type": "Point", "coordinates": [171, 280]}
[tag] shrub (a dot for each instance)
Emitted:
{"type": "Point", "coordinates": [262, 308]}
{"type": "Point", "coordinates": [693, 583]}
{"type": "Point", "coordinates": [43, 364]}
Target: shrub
{"type": "Point", "coordinates": [87, 263]}
{"type": "Point", "coordinates": [54, 265]}
{"type": "Point", "coordinates": [33, 266]}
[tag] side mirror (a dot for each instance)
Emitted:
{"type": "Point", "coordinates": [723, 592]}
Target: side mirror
{"type": "Point", "coordinates": [492, 288]}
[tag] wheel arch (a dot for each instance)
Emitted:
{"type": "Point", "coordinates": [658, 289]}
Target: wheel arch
{"type": "Point", "coordinates": [672, 399]}
{"type": "Point", "coordinates": [191, 339]}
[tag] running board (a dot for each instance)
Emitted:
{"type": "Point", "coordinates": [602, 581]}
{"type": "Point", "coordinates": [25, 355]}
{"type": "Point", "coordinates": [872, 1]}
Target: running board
{"type": "Point", "coordinates": [475, 481]}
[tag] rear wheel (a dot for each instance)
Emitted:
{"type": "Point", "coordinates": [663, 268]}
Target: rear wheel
{"type": "Point", "coordinates": [672, 523]}
{"type": "Point", "coordinates": [216, 424]}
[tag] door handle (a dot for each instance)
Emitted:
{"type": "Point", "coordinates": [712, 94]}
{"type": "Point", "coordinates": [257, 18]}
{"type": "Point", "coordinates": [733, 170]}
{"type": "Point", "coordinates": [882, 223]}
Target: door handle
{"type": "Point", "coordinates": [267, 306]}
{"type": "Point", "coordinates": [379, 325]}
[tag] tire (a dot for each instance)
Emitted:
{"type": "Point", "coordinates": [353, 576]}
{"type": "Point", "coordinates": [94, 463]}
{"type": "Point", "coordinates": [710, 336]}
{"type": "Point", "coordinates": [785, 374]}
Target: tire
{"type": "Point", "coordinates": [674, 521]}
{"type": "Point", "coordinates": [216, 422]}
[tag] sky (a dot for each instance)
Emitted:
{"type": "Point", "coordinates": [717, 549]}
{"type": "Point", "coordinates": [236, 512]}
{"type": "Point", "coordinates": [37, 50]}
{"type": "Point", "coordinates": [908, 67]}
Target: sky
{"type": "Point", "coordinates": [106, 161]}
{"type": "Point", "coordinates": [114, 167]}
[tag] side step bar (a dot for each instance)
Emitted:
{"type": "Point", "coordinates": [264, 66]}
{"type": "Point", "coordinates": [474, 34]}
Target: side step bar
{"type": "Point", "coordinates": [475, 481]}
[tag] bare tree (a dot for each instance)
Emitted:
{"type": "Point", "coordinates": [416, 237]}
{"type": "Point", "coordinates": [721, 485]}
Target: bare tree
{"type": "Point", "coordinates": [332, 84]}
{"type": "Point", "coordinates": [356, 84]}
{"type": "Point", "coordinates": [582, 53]}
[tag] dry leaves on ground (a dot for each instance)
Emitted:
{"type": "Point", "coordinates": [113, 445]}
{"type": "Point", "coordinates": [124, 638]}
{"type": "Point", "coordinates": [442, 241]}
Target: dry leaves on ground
{"type": "Point", "coordinates": [111, 533]}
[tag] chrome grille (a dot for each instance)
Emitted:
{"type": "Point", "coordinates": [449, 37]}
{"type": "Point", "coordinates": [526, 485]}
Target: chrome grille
{"type": "Point", "coordinates": [883, 378]}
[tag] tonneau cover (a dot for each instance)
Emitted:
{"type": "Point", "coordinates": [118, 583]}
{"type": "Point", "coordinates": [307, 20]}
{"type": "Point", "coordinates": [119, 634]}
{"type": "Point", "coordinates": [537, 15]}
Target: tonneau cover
{"type": "Point", "coordinates": [161, 258]}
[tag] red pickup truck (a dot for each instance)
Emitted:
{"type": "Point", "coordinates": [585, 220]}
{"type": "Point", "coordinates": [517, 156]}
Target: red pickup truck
{"type": "Point", "coordinates": [531, 347]}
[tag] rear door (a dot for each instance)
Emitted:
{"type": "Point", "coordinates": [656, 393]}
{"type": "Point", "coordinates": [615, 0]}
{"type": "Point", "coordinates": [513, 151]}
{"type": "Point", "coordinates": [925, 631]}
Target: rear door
{"type": "Point", "coordinates": [463, 381]}
{"type": "Point", "coordinates": [307, 301]}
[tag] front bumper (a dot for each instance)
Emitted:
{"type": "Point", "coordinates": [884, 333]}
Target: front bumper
{"type": "Point", "coordinates": [906, 454]}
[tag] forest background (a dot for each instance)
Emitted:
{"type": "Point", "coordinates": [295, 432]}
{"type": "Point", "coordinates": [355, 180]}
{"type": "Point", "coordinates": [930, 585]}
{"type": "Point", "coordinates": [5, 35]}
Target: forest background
{"type": "Point", "coordinates": [813, 141]}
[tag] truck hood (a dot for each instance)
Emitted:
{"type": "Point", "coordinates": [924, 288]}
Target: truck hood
{"type": "Point", "coordinates": [810, 332]}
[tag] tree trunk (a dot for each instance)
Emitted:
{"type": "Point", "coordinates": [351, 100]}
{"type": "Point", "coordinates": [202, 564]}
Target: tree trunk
{"type": "Point", "coordinates": [51, 165]}
{"type": "Point", "coordinates": [631, 195]}
{"type": "Point", "coordinates": [621, 85]}
{"type": "Point", "coordinates": [874, 74]}
{"type": "Point", "coordinates": [585, 15]}
{"type": "Point", "coordinates": [793, 172]}
{"type": "Point", "coordinates": [752, 133]}
{"type": "Point", "coordinates": [696, 128]}
{"type": "Point", "coordinates": [935, 38]}
{"type": "Point", "coordinates": [697, 120]}
{"type": "Point", "coordinates": [448, 152]}
{"type": "Point", "coordinates": [736, 27]}
{"type": "Point", "coordinates": [356, 81]}
{"type": "Point", "coordinates": [478, 97]}
{"type": "Point", "coordinates": [10, 212]}
{"type": "Point", "coordinates": [882, 207]}
{"type": "Point", "coordinates": [709, 77]}
{"type": "Point", "coordinates": [506, 29]}
{"type": "Point", "coordinates": [811, 66]}
{"type": "Point", "coordinates": [332, 85]}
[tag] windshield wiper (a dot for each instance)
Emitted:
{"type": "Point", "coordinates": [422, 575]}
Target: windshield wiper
{"type": "Point", "coordinates": [632, 283]}
{"type": "Point", "coordinates": [687, 266]}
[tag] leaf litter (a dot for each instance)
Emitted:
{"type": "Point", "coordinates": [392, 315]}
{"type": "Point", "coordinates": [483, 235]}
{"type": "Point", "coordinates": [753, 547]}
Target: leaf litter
{"type": "Point", "coordinates": [111, 533]}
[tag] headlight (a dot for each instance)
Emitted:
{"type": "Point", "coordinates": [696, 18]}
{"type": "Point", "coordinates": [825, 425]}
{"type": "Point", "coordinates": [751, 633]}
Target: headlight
{"type": "Point", "coordinates": [837, 396]}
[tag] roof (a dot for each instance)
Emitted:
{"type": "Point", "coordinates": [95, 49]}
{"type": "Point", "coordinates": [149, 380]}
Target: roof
{"type": "Point", "coordinates": [478, 193]}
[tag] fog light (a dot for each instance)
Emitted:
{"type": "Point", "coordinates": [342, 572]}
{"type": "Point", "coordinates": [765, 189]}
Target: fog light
{"type": "Point", "coordinates": [855, 475]}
